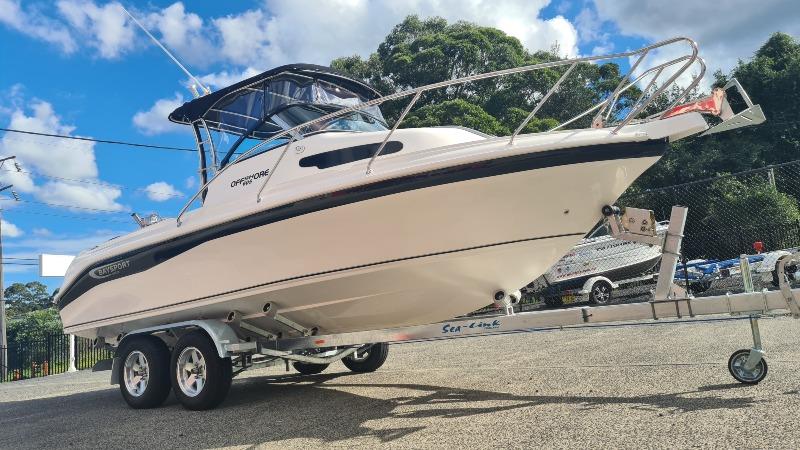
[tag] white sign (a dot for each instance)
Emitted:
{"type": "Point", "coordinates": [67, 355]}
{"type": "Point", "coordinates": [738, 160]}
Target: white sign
{"type": "Point", "coordinates": [54, 265]}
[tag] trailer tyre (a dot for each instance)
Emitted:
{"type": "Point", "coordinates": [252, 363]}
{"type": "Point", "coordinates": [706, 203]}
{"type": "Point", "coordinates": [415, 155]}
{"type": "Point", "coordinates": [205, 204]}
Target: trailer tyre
{"type": "Point", "coordinates": [144, 371]}
{"type": "Point", "coordinates": [736, 367]}
{"type": "Point", "coordinates": [309, 368]}
{"type": "Point", "coordinates": [369, 358]}
{"type": "Point", "coordinates": [200, 378]}
{"type": "Point", "coordinates": [600, 293]}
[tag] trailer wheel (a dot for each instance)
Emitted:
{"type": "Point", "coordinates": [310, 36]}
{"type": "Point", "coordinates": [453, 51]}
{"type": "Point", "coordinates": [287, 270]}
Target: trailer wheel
{"type": "Point", "coordinates": [742, 375]}
{"type": "Point", "coordinates": [600, 293]}
{"type": "Point", "coordinates": [309, 368]}
{"type": "Point", "coordinates": [144, 372]}
{"type": "Point", "coordinates": [200, 378]}
{"type": "Point", "coordinates": [370, 358]}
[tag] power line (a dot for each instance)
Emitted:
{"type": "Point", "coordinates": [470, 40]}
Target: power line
{"type": "Point", "coordinates": [64, 216]}
{"type": "Point", "coordinates": [101, 141]}
{"type": "Point", "coordinates": [60, 205]}
{"type": "Point", "coordinates": [95, 182]}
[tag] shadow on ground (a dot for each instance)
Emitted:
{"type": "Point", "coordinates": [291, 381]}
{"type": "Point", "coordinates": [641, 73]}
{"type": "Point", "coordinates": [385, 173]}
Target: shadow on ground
{"type": "Point", "coordinates": [325, 407]}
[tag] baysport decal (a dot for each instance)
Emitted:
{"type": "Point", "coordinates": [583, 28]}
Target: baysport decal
{"type": "Point", "coordinates": [110, 269]}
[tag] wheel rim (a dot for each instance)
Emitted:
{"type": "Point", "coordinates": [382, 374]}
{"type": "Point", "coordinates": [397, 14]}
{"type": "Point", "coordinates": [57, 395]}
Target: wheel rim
{"type": "Point", "coordinates": [136, 373]}
{"type": "Point", "coordinates": [601, 293]}
{"type": "Point", "coordinates": [738, 369]}
{"type": "Point", "coordinates": [363, 354]}
{"type": "Point", "coordinates": [191, 371]}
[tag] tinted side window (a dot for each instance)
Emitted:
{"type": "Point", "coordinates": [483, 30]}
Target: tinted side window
{"type": "Point", "coordinates": [349, 154]}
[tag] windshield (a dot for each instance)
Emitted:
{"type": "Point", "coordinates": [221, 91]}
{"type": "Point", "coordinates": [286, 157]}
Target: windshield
{"type": "Point", "coordinates": [263, 110]}
{"type": "Point", "coordinates": [294, 115]}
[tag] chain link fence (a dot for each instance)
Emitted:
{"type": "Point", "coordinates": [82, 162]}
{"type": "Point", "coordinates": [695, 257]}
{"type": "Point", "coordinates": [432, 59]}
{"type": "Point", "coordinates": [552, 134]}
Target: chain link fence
{"type": "Point", "coordinates": [753, 213]}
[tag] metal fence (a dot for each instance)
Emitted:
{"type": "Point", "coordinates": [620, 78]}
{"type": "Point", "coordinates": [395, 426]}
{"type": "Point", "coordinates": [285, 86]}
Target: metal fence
{"type": "Point", "coordinates": [753, 213]}
{"type": "Point", "coordinates": [47, 356]}
{"type": "Point", "coordinates": [728, 214]}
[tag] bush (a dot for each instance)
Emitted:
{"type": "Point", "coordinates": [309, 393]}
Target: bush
{"type": "Point", "coordinates": [34, 325]}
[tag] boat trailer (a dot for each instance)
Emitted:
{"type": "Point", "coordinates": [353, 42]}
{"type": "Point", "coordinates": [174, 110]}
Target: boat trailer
{"type": "Point", "coordinates": [249, 346]}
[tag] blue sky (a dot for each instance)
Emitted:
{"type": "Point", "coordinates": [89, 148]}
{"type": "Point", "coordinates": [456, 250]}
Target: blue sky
{"type": "Point", "coordinates": [79, 67]}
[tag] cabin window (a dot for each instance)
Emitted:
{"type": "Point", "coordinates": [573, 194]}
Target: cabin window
{"type": "Point", "coordinates": [347, 155]}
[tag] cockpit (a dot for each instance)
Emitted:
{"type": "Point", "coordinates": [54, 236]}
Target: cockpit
{"type": "Point", "coordinates": [262, 107]}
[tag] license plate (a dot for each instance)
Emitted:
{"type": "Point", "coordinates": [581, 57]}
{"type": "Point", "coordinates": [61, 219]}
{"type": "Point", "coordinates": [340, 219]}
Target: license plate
{"type": "Point", "coordinates": [568, 299]}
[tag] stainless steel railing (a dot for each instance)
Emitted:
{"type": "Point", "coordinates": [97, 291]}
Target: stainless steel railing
{"type": "Point", "coordinates": [604, 108]}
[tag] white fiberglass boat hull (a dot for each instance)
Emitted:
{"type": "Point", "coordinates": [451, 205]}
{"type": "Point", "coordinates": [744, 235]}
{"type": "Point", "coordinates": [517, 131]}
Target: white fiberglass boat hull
{"type": "Point", "coordinates": [407, 258]}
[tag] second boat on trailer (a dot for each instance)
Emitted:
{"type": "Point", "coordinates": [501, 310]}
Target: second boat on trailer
{"type": "Point", "coordinates": [331, 222]}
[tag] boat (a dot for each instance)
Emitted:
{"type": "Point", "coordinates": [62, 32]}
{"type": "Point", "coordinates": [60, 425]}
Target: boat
{"type": "Point", "coordinates": [600, 258]}
{"type": "Point", "coordinates": [319, 210]}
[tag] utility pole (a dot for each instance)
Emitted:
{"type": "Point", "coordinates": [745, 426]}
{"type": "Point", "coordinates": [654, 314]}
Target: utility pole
{"type": "Point", "coordinates": [3, 342]}
{"type": "Point", "coordinates": [3, 337]}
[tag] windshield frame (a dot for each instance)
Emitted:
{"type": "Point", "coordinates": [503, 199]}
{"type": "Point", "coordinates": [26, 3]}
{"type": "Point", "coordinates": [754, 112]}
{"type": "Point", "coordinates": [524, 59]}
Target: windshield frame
{"type": "Point", "coordinates": [322, 108]}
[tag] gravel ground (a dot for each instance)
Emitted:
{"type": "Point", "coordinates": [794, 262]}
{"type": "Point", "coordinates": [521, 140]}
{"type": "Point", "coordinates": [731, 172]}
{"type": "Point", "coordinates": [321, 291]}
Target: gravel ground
{"type": "Point", "coordinates": [653, 386]}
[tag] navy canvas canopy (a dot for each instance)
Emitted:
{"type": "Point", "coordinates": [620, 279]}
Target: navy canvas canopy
{"type": "Point", "coordinates": [247, 107]}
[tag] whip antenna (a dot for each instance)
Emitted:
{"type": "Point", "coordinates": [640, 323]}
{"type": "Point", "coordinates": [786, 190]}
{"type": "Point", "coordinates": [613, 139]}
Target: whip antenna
{"type": "Point", "coordinates": [186, 71]}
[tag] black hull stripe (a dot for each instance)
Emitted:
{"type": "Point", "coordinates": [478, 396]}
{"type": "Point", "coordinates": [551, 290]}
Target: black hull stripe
{"type": "Point", "coordinates": [329, 272]}
{"type": "Point", "coordinates": [147, 257]}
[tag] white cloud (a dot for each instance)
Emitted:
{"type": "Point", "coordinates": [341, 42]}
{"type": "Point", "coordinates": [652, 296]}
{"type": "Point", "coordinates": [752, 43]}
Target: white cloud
{"type": "Point", "coordinates": [190, 183]}
{"type": "Point", "coordinates": [279, 31]}
{"type": "Point", "coordinates": [43, 232]}
{"type": "Point", "coordinates": [53, 157]}
{"type": "Point", "coordinates": [724, 36]}
{"type": "Point", "coordinates": [162, 191]}
{"type": "Point", "coordinates": [154, 120]}
{"type": "Point", "coordinates": [106, 27]}
{"type": "Point", "coordinates": [290, 29]}
{"type": "Point", "coordinates": [226, 78]}
{"type": "Point", "coordinates": [60, 244]}
{"type": "Point", "coordinates": [32, 23]}
{"type": "Point", "coordinates": [84, 197]}
{"type": "Point", "coordinates": [10, 230]}
{"type": "Point", "coordinates": [182, 33]}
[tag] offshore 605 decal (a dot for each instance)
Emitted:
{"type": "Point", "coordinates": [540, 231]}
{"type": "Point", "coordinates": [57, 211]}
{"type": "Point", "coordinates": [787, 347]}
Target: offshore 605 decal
{"type": "Point", "coordinates": [108, 270]}
{"type": "Point", "coordinates": [244, 181]}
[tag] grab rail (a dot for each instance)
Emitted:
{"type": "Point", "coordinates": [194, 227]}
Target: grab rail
{"type": "Point", "coordinates": [599, 121]}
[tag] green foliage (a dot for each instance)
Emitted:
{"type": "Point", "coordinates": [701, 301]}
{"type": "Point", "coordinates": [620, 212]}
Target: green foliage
{"type": "Point", "coordinates": [455, 112]}
{"type": "Point", "coordinates": [22, 298]}
{"type": "Point", "coordinates": [34, 325]}
{"type": "Point", "coordinates": [753, 204]}
{"type": "Point", "coordinates": [419, 52]}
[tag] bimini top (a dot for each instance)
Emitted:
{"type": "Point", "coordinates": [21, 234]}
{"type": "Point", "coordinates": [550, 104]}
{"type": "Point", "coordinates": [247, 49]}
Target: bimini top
{"type": "Point", "coordinates": [266, 104]}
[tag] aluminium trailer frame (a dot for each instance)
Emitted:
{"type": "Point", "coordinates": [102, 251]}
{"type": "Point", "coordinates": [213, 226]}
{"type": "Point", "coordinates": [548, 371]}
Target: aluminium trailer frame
{"type": "Point", "coordinates": [249, 346]}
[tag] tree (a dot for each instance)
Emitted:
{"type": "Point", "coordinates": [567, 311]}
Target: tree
{"type": "Point", "coordinates": [22, 298]}
{"type": "Point", "coordinates": [754, 204]}
{"type": "Point", "coordinates": [456, 112]}
{"type": "Point", "coordinates": [420, 52]}
{"type": "Point", "coordinates": [34, 325]}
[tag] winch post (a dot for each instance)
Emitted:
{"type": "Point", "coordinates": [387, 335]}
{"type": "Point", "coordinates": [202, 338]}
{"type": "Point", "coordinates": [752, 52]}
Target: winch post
{"type": "Point", "coordinates": [757, 352]}
{"type": "Point", "coordinates": [665, 288]}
